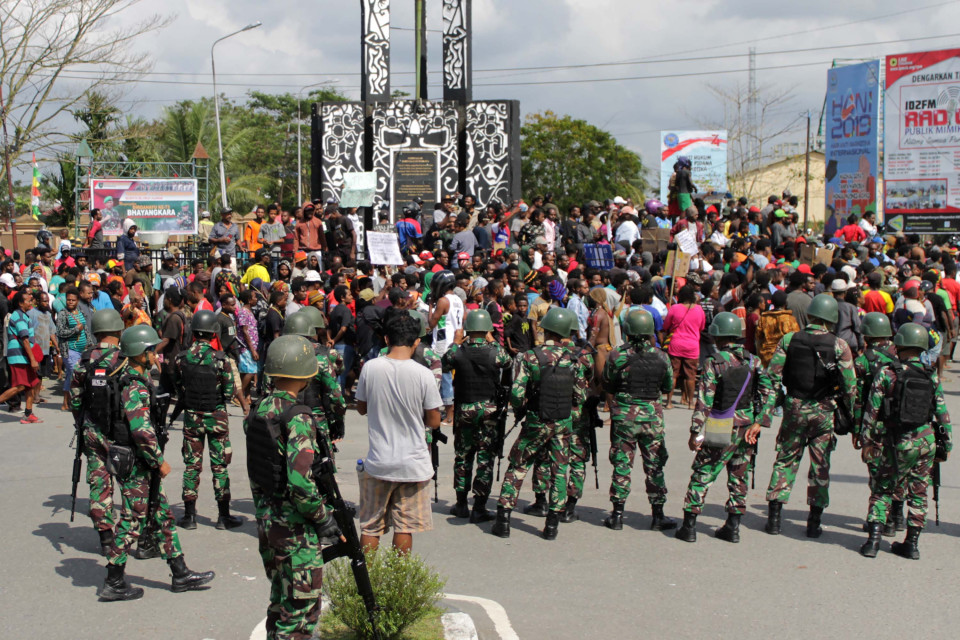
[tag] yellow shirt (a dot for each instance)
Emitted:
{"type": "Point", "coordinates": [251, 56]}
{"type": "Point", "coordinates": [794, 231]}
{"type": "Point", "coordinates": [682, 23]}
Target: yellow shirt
{"type": "Point", "coordinates": [255, 271]}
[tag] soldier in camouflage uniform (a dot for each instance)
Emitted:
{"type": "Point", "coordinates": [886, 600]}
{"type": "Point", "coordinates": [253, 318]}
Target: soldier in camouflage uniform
{"type": "Point", "coordinates": [880, 351]}
{"type": "Point", "coordinates": [204, 379]}
{"type": "Point", "coordinates": [132, 430]}
{"type": "Point", "coordinates": [333, 362]}
{"type": "Point", "coordinates": [424, 355]}
{"type": "Point", "coordinates": [552, 381]}
{"type": "Point", "coordinates": [579, 449]}
{"type": "Point", "coordinates": [107, 325]}
{"type": "Point", "coordinates": [292, 518]}
{"type": "Point", "coordinates": [906, 428]}
{"type": "Point", "coordinates": [807, 363]}
{"type": "Point", "coordinates": [732, 380]}
{"type": "Point", "coordinates": [477, 364]}
{"type": "Point", "coordinates": [323, 394]}
{"type": "Point", "coordinates": [636, 376]}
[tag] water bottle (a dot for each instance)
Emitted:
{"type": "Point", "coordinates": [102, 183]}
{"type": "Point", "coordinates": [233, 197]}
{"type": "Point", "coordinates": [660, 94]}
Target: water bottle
{"type": "Point", "coordinates": [359, 465]}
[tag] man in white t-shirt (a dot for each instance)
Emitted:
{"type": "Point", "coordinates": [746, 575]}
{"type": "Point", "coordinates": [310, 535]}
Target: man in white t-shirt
{"type": "Point", "coordinates": [445, 319]}
{"type": "Point", "coordinates": [400, 399]}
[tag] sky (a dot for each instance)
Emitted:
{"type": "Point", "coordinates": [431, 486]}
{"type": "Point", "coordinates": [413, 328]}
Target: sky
{"type": "Point", "coordinates": [648, 90]}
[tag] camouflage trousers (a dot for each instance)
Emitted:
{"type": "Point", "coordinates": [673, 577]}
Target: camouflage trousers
{"type": "Point", "coordinates": [213, 426]}
{"type": "Point", "coordinates": [579, 457]}
{"type": "Point", "coordinates": [708, 464]}
{"type": "Point", "coordinates": [551, 440]}
{"type": "Point", "coordinates": [294, 608]}
{"type": "Point", "coordinates": [806, 424]}
{"type": "Point", "coordinates": [626, 436]}
{"type": "Point", "coordinates": [474, 435]}
{"type": "Point", "coordinates": [133, 515]}
{"type": "Point", "coordinates": [913, 466]}
{"type": "Point", "coordinates": [99, 480]}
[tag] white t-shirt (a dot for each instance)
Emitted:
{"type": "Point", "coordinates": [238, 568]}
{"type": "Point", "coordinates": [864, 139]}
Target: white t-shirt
{"type": "Point", "coordinates": [448, 325]}
{"type": "Point", "coordinates": [397, 393]}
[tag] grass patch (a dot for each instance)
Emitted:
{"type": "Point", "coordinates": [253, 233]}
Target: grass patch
{"type": "Point", "coordinates": [428, 628]}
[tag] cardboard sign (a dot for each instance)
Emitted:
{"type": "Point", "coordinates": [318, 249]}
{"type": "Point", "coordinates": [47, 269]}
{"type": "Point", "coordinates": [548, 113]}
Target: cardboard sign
{"type": "Point", "coordinates": [815, 255]}
{"type": "Point", "coordinates": [654, 240]}
{"type": "Point", "coordinates": [358, 189]}
{"type": "Point", "coordinates": [687, 242]}
{"type": "Point", "coordinates": [678, 264]}
{"type": "Point", "coordinates": [383, 248]}
{"type": "Point", "coordinates": [598, 256]}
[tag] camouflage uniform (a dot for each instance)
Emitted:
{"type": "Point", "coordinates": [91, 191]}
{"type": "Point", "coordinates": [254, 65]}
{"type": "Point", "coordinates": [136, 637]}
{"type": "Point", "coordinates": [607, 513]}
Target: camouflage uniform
{"type": "Point", "coordinates": [105, 356]}
{"type": "Point", "coordinates": [882, 352]}
{"type": "Point", "coordinates": [286, 528]}
{"type": "Point", "coordinates": [530, 232]}
{"type": "Point", "coordinates": [904, 465]}
{"type": "Point", "coordinates": [198, 424]}
{"type": "Point", "coordinates": [578, 458]}
{"type": "Point", "coordinates": [636, 423]}
{"type": "Point", "coordinates": [535, 436]}
{"type": "Point", "coordinates": [135, 489]}
{"type": "Point", "coordinates": [475, 427]}
{"type": "Point", "coordinates": [806, 423]}
{"type": "Point", "coordinates": [709, 461]}
{"type": "Point", "coordinates": [330, 365]}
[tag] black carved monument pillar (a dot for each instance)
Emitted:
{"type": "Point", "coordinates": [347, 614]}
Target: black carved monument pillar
{"type": "Point", "coordinates": [457, 51]}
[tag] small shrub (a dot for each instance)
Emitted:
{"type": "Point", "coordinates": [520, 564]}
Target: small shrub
{"type": "Point", "coordinates": [406, 589]}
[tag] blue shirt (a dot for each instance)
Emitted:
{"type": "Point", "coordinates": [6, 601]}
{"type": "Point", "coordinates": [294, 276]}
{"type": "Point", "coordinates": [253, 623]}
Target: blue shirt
{"type": "Point", "coordinates": [583, 315]}
{"type": "Point", "coordinates": [18, 329]}
{"type": "Point", "coordinates": [129, 249]}
{"type": "Point", "coordinates": [102, 301]}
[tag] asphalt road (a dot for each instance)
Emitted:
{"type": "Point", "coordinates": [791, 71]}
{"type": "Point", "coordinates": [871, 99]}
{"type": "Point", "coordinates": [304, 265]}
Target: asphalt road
{"type": "Point", "coordinates": [589, 583]}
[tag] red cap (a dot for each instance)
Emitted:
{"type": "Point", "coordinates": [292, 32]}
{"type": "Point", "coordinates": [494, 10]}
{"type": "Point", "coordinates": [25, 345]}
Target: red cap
{"type": "Point", "coordinates": [463, 255]}
{"type": "Point", "coordinates": [712, 209]}
{"type": "Point", "coordinates": [805, 268]}
{"type": "Point", "coordinates": [754, 209]}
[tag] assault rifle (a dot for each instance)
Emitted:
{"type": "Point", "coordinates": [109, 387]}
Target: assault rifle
{"type": "Point", "coordinates": [436, 437]}
{"type": "Point", "coordinates": [324, 470]}
{"type": "Point", "coordinates": [591, 409]}
{"type": "Point", "coordinates": [153, 500]}
{"type": "Point", "coordinates": [842, 418]}
{"type": "Point", "coordinates": [941, 455]}
{"type": "Point", "coordinates": [334, 420]}
{"type": "Point", "coordinates": [503, 395]}
{"type": "Point", "coordinates": [77, 463]}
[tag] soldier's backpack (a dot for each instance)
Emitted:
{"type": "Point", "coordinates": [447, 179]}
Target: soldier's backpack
{"type": "Point", "coordinates": [554, 401]}
{"type": "Point", "coordinates": [913, 396]}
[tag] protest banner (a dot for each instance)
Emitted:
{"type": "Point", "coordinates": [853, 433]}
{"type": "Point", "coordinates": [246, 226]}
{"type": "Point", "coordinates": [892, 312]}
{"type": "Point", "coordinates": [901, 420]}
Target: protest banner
{"type": "Point", "coordinates": [654, 240]}
{"type": "Point", "coordinates": [707, 151]}
{"type": "Point", "coordinates": [383, 248]}
{"type": "Point", "coordinates": [154, 204]}
{"type": "Point", "coordinates": [815, 255]}
{"type": "Point", "coordinates": [598, 256]}
{"type": "Point", "coordinates": [922, 142]}
{"type": "Point", "coordinates": [359, 188]}
{"type": "Point", "coordinates": [687, 242]}
{"type": "Point", "coordinates": [852, 133]}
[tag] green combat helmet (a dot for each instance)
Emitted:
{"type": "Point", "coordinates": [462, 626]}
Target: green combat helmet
{"type": "Point", "coordinates": [204, 322]}
{"type": "Point", "coordinates": [557, 321]}
{"type": "Point", "coordinates": [640, 323]}
{"type": "Point", "coordinates": [291, 357]}
{"type": "Point", "coordinates": [138, 339]}
{"type": "Point", "coordinates": [315, 315]}
{"type": "Point", "coordinates": [876, 325]}
{"type": "Point", "coordinates": [725, 325]}
{"type": "Point", "coordinates": [106, 321]}
{"type": "Point", "coordinates": [422, 319]}
{"type": "Point", "coordinates": [824, 307]}
{"type": "Point", "coordinates": [478, 320]}
{"type": "Point", "coordinates": [299, 324]}
{"type": "Point", "coordinates": [912, 335]}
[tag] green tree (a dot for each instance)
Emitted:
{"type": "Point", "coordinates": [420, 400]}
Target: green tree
{"type": "Point", "coordinates": [576, 161]}
{"type": "Point", "coordinates": [101, 117]}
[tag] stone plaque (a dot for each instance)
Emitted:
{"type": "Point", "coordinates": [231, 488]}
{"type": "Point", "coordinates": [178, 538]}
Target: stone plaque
{"type": "Point", "coordinates": [415, 174]}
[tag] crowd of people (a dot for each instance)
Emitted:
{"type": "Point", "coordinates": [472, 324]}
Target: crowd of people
{"type": "Point", "coordinates": [493, 306]}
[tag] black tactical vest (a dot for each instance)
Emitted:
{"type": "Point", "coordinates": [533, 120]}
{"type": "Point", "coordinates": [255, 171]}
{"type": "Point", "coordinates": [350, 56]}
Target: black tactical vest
{"type": "Point", "coordinates": [645, 371]}
{"type": "Point", "coordinates": [419, 355]}
{"type": "Point", "coordinates": [476, 373]}
{"type": "Point", "coordinates": [201, 384]}
{"type": "Point", "coordinates": [266, 440]}
{"type": "Point", "coordinates": [554, 398]}
{"type": "Point", "coordinates": [97, 392]}
{"type": "Point", "coordinates": [729, 386]}
{"type": "Point", "coordinates": [806, 376]}
{"type": "Point", "coordinates": [913, 396]}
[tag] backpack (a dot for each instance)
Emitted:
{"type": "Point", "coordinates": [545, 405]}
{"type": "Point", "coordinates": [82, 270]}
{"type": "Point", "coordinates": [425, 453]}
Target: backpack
{"type": "Point", "coordinates": [913, 397]}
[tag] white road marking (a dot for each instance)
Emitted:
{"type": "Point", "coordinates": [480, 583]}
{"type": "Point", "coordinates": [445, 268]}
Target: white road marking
{"type": "Point", "coordinates": [260, 631]}
{"type": "Point", "coordinates": [494, 610]}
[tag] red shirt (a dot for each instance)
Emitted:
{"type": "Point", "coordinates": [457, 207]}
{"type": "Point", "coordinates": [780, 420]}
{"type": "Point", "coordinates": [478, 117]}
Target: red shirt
{"type": "Point", "coordinates": [952, 288]}
{"type": "Point", "coordinates": [204, 304]}
{"type": "Point", "coordinates": [852, 233]}
{"type": "Point", "coordinates": [873, 301]}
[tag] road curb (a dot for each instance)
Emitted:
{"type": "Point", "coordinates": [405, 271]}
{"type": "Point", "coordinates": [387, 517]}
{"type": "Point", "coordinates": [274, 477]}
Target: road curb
{"type": "Point", "coordinates": [458, 626]}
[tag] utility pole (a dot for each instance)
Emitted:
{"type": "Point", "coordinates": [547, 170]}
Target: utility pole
{"type": "Point", "coordinates": [806, 177]}
{"type": "Point", "coordinates": [420, 45]}
{"type": "Point", "coordinates": [12, 211]}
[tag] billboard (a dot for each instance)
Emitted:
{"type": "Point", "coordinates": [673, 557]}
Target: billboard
{"type": "Point", "coordinates": [707, 151]}
{"type": "Point", "coordinates": [852, 133]}
{"type": "Point", "coordinates": [154, 204]}
{"type": "Point", "coordinates": [921, 142]}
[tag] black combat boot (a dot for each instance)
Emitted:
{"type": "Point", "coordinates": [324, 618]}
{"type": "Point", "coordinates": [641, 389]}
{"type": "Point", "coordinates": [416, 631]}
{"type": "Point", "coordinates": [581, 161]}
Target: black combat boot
{"type": "Point", "coordinates": [908, 548]}
{"type": "Point", "coordinates": [872, 545]}
{"type": "Point", "coordinates": [106, 541]}
{"type": "Point", "coordinates": [189, 519]}
{"type": "Point", "coordinates": [774, 510]}
{"type": "Point", "coordinates": [539, 508]}
{"type": "Point", "coordinates": [147, 547]}
{"type": "Point", "coordinates": [570, 512]}
{"type": "Point", "coordinates": [501, 527]}
{"type": "Point", "coordinates": [661, 522]}
{"type": "Point", "coordinates": [550, 528]}
{"type": "Point", "coordinates": [116, 588]}
{"type": "Point", "coordinates": [480, 513]}
{"type": "Point", "coordinates": [814, 530]}
{"type": "Point", "coordinates": [730, 531]}
{"type": "Point", "coordinates": [894, 520]}
{"type": "Point", "coordinates": [461, 509]}
{"type": "Point", "coordinates": [184, 579]}
{"type": "Point", "coordinates": [615, 519]}
{"type": "Point", "coordinates": [227, 521]}
{"type": "Point", "coordinates": [687, 532]}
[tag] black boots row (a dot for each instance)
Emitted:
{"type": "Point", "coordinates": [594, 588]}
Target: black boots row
{"type": "Point", "coordinates": [224, 521]}
{"type": "Point", "coordinates": [658, 522]}
{"type": "Point", "coordinates": [116, 588]}
{"type": "Point", "coordinates": [730, 531]}
{"type": "Point", "coordinates": [478, 514]}
{"type": "Point", "coordinates": [907, 549]}
{"type": "Point", "coordinates": [775, 515]}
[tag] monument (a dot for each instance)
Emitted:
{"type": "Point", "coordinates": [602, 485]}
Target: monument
{"type": "Point", "coordinates": [418, 147]}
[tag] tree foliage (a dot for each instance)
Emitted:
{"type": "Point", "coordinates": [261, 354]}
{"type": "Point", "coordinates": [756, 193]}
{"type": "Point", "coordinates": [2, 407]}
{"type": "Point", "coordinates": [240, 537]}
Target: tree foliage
{"type": "Point", "coordinates": [576, 161]}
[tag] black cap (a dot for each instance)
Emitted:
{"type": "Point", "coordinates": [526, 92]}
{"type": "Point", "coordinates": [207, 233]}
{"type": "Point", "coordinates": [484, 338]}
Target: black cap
{"type": "Point", "coordinates": [225, 210]}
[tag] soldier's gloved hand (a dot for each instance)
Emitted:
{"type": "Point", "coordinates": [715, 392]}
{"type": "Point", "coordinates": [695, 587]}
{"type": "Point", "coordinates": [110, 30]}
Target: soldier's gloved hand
{"type": "Point", "coordinates": [855, 439]}
{"type": "Point", "coordinates": [337, 429]}
{"type": "Point", "coordinates": [328, 531]}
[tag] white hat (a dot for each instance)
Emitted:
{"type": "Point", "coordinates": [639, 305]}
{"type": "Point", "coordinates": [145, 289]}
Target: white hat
{"type": "Point", "coordinates": [839, 284]}
{"type": "Point", "coordinates": [8, 280]}
{"type": "Point", "coordinates": [312, 276]}
{"type": "Point", "coordinates": [850, 271]}
{"type": "Point", "coordinates": [204, 214]}
{"type": "Point", "coordinates": [619, 200]}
